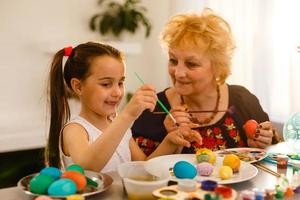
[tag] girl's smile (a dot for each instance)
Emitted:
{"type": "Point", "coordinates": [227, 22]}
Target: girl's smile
{"type": "Point", "coordinates": [103, 90]}
{"type": "Point", "coordinates": [113, 104]}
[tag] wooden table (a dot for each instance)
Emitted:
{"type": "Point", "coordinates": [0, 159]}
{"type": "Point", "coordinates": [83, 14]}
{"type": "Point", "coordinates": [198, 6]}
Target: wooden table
{"type": "Point", "coordinates": [115, 192]}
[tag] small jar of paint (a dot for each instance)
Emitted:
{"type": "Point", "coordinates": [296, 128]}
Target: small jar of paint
{"type": "Point", "coordinates": [282, 161]}
{"type": "Point", "coordinates": [296, 166]}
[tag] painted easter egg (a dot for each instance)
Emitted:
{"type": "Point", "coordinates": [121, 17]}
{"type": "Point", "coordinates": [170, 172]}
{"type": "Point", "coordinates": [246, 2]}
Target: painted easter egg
{"type": "Point", "coordinates": [77, 177]}
{"type": "Point", "coordinates": [62, 187]}
{"type": "Point", "coordinates": [183, 169]}
{"type": "Point", "coordinates": [250, 128]}
{"type": "Point", "coordinates": [206, 155]}
{"type": "Point", "coordinates": [225, 172]}
{"type": "Point", "coordinates": [232, 161]}
{"type": "Point", "coordinates": [75, 197]}
{"type": "Point", "coordinates": [75, 167]}
{"type": "Point", "coordinates": [205, 169]}
{"type": "Point", "coordinates": [54, 172]}
{"type": "Point", "coordinates": [43, 197]}
{"type": "Point", "coordinates": [39, 184]}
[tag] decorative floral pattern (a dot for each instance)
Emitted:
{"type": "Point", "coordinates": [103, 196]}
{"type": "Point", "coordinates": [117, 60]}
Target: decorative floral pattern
{"type": "Point", "coordinates": [225, 135]}
{"type": "Point", "coordinates": [215, 138]}
{"type": "Point", "coordinates": [147, 145]}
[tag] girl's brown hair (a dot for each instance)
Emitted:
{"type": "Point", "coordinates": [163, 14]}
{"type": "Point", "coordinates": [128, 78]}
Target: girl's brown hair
{"type": "Point", "coordinates": [60, 90]}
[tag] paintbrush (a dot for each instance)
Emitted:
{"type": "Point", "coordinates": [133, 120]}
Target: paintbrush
{"type": "Point", "coordinates": [266, 169]}
{"type": "Point", "coordinates": [159, 102]}
{"type": "Point", "coordinates": [230, 110]}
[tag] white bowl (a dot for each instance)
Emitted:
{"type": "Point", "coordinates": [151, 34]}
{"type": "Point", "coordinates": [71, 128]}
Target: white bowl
{"type": "Point", "coordinates": [133, 176]}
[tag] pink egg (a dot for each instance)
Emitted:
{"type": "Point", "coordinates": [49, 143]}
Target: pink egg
{"type": "Point", "coordinates": [205, 169]}
{"type": "Point", "coordinates": [43, 198]}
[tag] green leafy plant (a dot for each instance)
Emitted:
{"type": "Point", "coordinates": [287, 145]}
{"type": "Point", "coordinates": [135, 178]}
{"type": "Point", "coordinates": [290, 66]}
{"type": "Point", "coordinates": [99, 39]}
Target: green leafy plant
{"type": "Point", "coordinates": [116, 18]}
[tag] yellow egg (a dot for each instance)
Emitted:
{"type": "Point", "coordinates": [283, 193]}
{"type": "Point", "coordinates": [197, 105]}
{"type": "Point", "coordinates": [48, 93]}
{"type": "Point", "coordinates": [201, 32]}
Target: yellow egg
{"type": "Point", "coordinates": [225, 172]}
{"type": "Point", "coordinates": [206, 155]}
{"type": "Point", "coordinates": [232, 161]}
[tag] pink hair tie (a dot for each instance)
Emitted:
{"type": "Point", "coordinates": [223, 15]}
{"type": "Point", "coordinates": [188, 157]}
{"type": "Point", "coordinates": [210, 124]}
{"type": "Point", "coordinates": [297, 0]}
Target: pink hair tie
{"type": "Point", "coordinates": [68, 50]}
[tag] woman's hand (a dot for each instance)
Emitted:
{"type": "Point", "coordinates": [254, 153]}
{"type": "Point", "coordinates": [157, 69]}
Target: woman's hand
{"type": "Point", "coordinates": [183, 127]}
{"type": "Point", "coordinates": [181, 117]}
{"type": "Point", "coordinates": [189, 134]}
{"type": "Point", "coordinates": [264, 135]}
{"type": "Point", "coordinates": [144, 98]}
{"type": "Point", "coordinates": [184, 135]}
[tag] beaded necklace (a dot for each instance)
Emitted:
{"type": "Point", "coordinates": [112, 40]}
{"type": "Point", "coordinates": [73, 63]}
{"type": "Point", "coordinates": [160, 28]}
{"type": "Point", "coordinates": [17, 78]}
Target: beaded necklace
{"type": "Point", "coordinates": [214, 112]}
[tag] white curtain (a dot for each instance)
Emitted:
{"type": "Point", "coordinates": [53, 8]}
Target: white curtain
{"type": "Point", "coordinates": [266, 60]}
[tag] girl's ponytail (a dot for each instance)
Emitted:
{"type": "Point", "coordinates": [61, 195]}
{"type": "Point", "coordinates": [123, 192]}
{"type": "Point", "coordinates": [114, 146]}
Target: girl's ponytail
{"type": "Point", "coordinates": [59, 109]}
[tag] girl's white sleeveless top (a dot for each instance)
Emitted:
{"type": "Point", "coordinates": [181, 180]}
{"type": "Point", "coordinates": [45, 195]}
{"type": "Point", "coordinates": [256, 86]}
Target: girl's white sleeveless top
{"type": "Point", "coordinates": [122, 153]}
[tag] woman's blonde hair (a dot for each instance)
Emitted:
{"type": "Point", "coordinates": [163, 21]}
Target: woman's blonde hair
{"type": "Point", "coordinates": [207, 32]}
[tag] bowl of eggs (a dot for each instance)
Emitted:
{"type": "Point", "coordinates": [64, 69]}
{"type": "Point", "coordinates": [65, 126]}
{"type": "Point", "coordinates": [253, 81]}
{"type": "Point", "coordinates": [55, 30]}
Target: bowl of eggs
{"type": "Point", "coordinates": [53, 182]}
{"type": "Point", "coordinates": [138, 183]}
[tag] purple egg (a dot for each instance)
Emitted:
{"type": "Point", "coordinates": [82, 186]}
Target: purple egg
{"type": "Point", "coordinates": [205, 169]}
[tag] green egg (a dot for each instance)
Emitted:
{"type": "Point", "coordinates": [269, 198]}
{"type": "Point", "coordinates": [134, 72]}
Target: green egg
{"type": "Point", "coordinates": [39, 184]}
{"type": "Point", "coordinates": [75, 167]}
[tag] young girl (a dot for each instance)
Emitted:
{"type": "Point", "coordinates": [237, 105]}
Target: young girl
{"type": "Point", "coordinates": [97, 139]}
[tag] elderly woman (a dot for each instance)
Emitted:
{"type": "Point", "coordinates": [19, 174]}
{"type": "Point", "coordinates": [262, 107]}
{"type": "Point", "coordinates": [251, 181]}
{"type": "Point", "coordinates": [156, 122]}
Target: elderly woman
{"type": "Point", "coordinates": [200, 49]}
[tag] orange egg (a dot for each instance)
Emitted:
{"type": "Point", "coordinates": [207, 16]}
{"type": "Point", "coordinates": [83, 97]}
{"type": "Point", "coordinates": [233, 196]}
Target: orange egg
{"type": "Point", "coordinates": [77, 177]}
{"type": "Point", "coordinates": [250, 128]}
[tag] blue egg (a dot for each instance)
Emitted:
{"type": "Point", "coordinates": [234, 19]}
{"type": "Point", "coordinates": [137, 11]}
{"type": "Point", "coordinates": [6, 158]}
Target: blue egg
{"type": "Point", "coordinates": [183, 169]}
{"type": "Point", "coordinates": [54, 172]}
{"type": "Point", "coordinates": [62, 187]}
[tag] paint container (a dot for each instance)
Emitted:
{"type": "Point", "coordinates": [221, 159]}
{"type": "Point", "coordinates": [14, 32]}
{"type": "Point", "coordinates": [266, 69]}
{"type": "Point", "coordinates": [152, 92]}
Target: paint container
{"type": "Point", "coordinates": [187, 185]}
{"type": "Point", "coordinates": [270, 194]}
{"type": "Point", "coordinates": [296, 166]}
{"type": "Point", "coordinates": [259, 193]}
{"type": "Point", "coordinates": [282, 161]}
{"type": "Point", "coordinates": [247, 195]}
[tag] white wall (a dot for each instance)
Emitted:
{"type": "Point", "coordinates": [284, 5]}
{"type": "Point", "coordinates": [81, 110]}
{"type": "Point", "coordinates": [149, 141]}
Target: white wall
{"type": "Point", "coordinates": [31, 31]}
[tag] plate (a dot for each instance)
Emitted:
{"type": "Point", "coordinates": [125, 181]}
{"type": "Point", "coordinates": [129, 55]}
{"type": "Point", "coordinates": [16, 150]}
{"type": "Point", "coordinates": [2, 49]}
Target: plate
{"type": "Point", "coordinates": [162, 164]}
{"type": "Point", "coordinates": [103, 180]}
{"type": "Point", "coordinates": [246, 154]}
